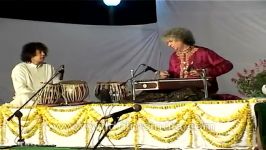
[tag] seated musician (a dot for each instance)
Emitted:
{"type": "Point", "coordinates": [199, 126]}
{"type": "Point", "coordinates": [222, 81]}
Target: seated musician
{"type": "Point", "coordinates": [187, 61]}
{"type": "Point", "coordinates": [187, 55]}
{"type": "Point", "coordinates": [29, 75]}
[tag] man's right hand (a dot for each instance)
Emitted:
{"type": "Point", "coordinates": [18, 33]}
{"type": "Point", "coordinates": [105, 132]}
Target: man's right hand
{"type": "Point", "coordinates": [164, 74]}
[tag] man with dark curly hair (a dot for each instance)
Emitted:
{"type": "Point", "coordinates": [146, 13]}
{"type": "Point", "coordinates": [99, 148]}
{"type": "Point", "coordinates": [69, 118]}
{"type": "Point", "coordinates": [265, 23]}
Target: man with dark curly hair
{"type": "Point", "coordinates": [29, 75]}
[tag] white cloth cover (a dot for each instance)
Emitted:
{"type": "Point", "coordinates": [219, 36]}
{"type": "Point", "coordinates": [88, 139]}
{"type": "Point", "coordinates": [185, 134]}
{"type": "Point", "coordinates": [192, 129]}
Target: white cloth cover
{"type": "Point", "coordinates": [145, 139]}
{"type": "Point", "coordinates": [234, 29]}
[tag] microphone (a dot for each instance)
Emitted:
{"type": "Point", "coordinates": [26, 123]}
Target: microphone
{"type": "Point", "coordinates": [135, 108]}
{"type": "Point", "coordinates": [62, 71]}
{"type": "Point", "coordinates": [150, 68]}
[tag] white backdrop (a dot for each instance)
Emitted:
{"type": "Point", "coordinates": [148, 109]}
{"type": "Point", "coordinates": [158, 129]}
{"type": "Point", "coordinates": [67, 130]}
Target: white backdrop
{"type": "Point", "coordinates": [235, 30]}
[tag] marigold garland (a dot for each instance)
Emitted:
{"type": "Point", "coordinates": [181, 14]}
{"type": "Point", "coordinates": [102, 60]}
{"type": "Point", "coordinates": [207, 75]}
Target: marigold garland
{"type": "Point", "coordinates": [155, 127]}
{"type": "Point", "coordinates": [67, 109]}
{"type": "Point", "coordinates": [230, 118]}
{"type": "Point", "coordinates": [168, 106]}
{"type": "Point", "coordinates": [65, 128]}
{"type": "Point", "coordinates": [190, 137]}
{"type": "Point", "coordinates": [7, 112]}
{"type": "Point", "coordinates": [41, 136]}
{"type": "Point", "coordinates": [172, 137]}
{"type": "Point", "coordinates": [169, 138]}
{"type": "Point", "coordinates": [229, 140]}
{"type": "Point", "coordinates": [27, 132]}
{"type": "Point", "coordinates": [238, 120]}
{"type": "Point", "coordinates": [250, 127]}
{"type": "Point", "coordinates": [3, 133]}
{"type": "Point", "coordinates": [120, 131]}
{"type": "Point", "coordinates": [96, 116]}
{"type": "Point", "coordinates": [205, 128]}
{"type": "Point", "coordinates": [29, 129]}
{"type": "Point", "coordinates": [1, 127]}
{"type": "Point", "coordinates": [175, 116]}
{"type": "Point", "coordinates": [49, 119]}
{"type": "Point", "coordinates": [135, 119]}
{"type": "Point", "coordinates": [120, 134]}
{"type": "Point", "coordinates": [87, 138]}
{"type": "Point", "coordinates": [180, 121]}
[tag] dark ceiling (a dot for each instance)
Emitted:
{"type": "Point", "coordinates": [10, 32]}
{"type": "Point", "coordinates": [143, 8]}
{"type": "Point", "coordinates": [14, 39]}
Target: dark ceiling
{"type": "Point", "coordinates": [95, 12]}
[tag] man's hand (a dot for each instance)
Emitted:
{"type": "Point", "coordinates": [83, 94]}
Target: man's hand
{"type": "Point", "coordinates": [164, 74]}
{"type": "Point", "coordinates": [195, 73]}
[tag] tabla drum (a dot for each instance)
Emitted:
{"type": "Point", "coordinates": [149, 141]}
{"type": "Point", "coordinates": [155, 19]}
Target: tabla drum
{"type": "Point", "coordinates": [110, 91]}
{"type": "Point", "coordinates": [74, 91]}
{"type": "Point", "coordinates": [49, 95]}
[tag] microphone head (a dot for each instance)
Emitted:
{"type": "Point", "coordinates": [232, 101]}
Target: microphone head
{"type": "Point", "coordinates": [151, 69]}
{"type": "Point", "coordinates": [137, 107]}
{"type": "Point", "coordinates": [62, 68]}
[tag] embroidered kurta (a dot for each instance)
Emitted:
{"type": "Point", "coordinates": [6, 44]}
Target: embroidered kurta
{"type": "Point", "coordinates": [198, 58]}
{"type": "Point", "coordinates": [28, 78]}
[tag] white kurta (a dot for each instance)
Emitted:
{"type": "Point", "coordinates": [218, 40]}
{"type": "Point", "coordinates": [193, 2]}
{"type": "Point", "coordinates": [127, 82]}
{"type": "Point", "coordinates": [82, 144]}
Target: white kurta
{"type": "Point", "coordinates": [28, 78]}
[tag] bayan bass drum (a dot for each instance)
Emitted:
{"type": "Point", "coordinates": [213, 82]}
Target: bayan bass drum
{"type": "Point", "coordinates": [110, 92]}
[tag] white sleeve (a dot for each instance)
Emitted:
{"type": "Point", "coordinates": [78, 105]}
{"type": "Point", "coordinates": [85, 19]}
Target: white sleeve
{"type": "Point", "coordinates": [23, 92]}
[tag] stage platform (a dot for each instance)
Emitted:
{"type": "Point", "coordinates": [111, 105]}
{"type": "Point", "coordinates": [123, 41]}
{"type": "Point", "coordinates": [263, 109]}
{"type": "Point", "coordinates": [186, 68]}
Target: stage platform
{"type": "Point", "coordinates": [186, 125]}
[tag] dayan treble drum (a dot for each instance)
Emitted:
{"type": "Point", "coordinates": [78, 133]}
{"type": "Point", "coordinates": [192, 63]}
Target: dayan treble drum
{"type": "Point", "coordinates": [110, 91]}
{"type": "Point", "coordinates": [74, 90]}
{"type": "Point", "coordinates": [49, 95]}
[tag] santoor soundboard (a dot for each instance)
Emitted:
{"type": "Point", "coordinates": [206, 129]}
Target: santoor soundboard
{"type": "Point", "coordinates": [169, 84]}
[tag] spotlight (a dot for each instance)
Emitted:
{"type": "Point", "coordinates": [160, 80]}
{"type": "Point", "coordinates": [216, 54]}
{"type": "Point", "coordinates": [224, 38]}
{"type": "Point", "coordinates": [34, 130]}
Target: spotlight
{"type": "Point", "coordinates": [111, 2]}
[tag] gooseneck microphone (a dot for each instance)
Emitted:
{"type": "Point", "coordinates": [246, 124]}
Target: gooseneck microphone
{"type": "Point", "coordinates": [149, 68]}
{"type": "Point", "coordinates": [61, 71]}
{"type": "Point", "coordinates": [135, 108]}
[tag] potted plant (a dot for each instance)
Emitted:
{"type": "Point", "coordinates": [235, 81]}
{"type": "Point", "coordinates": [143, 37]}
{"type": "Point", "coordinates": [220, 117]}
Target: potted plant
{"type": "Point", "coordinates": [251, 82]}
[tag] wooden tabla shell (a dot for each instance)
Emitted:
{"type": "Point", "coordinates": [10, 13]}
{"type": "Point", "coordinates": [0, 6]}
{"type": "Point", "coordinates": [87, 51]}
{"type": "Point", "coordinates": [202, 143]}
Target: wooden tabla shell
{"type": "Point", "coordinates": [49, 95]}
{"type": "Point", "coordinates": [74, 90]}
{"type": "Point", "coordinates": [116, 91]}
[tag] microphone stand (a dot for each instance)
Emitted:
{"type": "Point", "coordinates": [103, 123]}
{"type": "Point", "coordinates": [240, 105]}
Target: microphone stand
{"type": "Point", "coordinates": [18, 114]}
{"type": "Point", "coordinates": [109, 128]}
{"type": "Point", "coordinates": [205, 83]}
{"type": "Point", "coordinates": [132, 81]}
{"type": "Point", "coordinates": [132, 77]}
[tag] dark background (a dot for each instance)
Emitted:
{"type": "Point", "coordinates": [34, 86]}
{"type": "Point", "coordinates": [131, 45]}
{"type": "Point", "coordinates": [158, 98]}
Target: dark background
{"type": "Point", "coordinates": [95, 12]}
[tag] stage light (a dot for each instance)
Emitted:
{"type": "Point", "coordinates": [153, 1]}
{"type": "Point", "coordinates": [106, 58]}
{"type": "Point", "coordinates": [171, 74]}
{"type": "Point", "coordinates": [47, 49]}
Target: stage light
{"type": "Point", "coordinates": [111, 2]}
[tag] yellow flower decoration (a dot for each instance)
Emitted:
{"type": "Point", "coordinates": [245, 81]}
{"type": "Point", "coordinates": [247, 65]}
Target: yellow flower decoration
{"type": "Point", "coordinates": [185, 116]}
